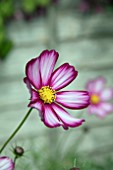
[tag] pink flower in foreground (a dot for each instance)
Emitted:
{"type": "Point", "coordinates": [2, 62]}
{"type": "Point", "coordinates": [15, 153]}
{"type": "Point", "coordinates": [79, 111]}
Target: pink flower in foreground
{"type": "Point", "coordinates": [44, 84]}
{"type": "Point", "coordinates": [6, 163]}
{"type": "Point", "coordinates": [99, 97]}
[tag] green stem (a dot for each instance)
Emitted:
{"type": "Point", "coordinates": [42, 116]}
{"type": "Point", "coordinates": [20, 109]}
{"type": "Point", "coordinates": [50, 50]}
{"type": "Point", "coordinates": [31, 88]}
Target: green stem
{"type": "Point", "coordinates": [16, 130]}
{"type": "Point", "coordinates": [75, 162]}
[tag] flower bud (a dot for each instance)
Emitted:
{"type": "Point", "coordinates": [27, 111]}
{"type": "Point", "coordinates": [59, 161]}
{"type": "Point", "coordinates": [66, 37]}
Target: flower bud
{"type": "Point", "coordinates": [18, 151]}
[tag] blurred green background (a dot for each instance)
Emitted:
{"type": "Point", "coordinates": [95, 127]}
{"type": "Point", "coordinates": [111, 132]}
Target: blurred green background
{"type": "Point", "coordinates": [12, 10]}
{"type": "Point", "coordinates": [82, 33]}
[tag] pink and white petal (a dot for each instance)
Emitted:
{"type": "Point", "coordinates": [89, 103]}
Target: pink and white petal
{"type": "Point", "coordinates": [6, 163]}
{"type": "Point", "coordinates": [73, 99]}
{"type": "Point", "coordinates": [63, 76]}
{"type": "Point", "coordinates": [106, 94]}
{"type": "Point", "coordinates": [37, 104]}
{"type": "Point", "coordinates": [50, 118]}
{"type": "Point", "coordinates": [34, 95]}
{"type": "Point", "coordinates": [27, 82]}
{"type": "Point", "coordinates": [90, 85]}
{"type": "Point", "coordinates": [107, 107]}
{"type": "Point", "coordinates": [99, 85]}
{"type": "Point", "coordinates": [65, 117]}
{"type": "Point", "coordinates": [33, 72]}
{"type": "Point", "coordinates": [101, 109]}
{"type": "Point", "coordinates": [47, 63]}
{"type": "Point", "coordinates": [92, 109]}
{"type": "Point", "coordinates": [41, 114]}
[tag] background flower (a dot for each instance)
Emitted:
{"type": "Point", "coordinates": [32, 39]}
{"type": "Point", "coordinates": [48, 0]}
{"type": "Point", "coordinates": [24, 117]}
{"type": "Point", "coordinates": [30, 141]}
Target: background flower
{"type": "Point", "coordinates": [6, 163]}
{"type": "Point", "coordinates": [44, 84]}
{"type": "Point", "coordinates": [99, 97]}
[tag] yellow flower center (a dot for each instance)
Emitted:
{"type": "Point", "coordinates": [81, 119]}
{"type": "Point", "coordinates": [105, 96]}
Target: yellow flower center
{"type": "Point", "coordinates": [95, 99]}
{"type": "Point", "coordinates": [47, 94]}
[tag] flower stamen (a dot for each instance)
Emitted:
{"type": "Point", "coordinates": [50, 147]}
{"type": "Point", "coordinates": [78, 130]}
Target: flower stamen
{"type": "Point", "coordinates": [47, 94]}
{"type": "Point", "coordinates": [95, 99]}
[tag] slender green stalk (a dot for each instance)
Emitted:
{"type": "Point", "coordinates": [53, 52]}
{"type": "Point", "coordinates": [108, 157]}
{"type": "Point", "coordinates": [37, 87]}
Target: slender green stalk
{"type": "Point", "coordinates": [16, 130]}
{"type": "Point", "coordinates": [75, 163]}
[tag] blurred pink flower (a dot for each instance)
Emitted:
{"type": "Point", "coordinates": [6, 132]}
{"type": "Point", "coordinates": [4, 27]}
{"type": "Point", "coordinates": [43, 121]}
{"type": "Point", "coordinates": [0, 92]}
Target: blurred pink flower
{"type": "Point", "coordinates": [99, 97]}
{"type": "Point", "coordinates": [84, 6]}
{"type": "Point", "coordinates": [6, 163]}
{"type": "Point", "coordinates": [99, 9]}
{"type": "Point", "coordinates": [44, 84]}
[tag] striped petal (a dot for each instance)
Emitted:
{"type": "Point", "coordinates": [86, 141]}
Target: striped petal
{"type": "Point", "coordinates": [6, 163]}
{"type": "Point", "coordinates": [106, 94]}
{"type": "Point", "coordinates": [35, 101]}
{"type": "Point", "coordinates": [93, 109]}
{"type": "Point", "coordinates": [90, 85]}
{"type": "Point", "coordinates": [96, 86]}
{"type": "Point", "coordinates": [63, 76]}
{"type": "Point", "coordinates": [73, 99]}
{"type": "Point", "coordinates": [50, 118]}
{"type": "Point", "coordinates": [99, 84]}
{"type": "Point", "coordinates": [106, 107]}
{"type": "Point", "coordinates": [34, 96]}
{"type": "Point", "coordinates": [33, 72]}
{"type": "Point", "coordinates": [47, 62]}
{"type": "Point", "coordinates": [66, 118]}
{"type": "Point", "coordinates": [37, 104]}
{"type": "Point", "coordinates": [27, 82]}
{"type": "Point", "coordinates": [101, 110]}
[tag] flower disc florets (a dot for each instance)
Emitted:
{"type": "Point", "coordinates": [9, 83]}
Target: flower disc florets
{"type": "Point", "coordinates": [95, 99]}
{"type": "Point", "coordinates": [47, 94]}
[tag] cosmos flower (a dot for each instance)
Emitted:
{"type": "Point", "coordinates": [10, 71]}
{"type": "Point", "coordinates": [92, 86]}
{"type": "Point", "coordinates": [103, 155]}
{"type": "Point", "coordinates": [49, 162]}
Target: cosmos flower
{"type": "Point", "coordinates": [44, 84]}
{"type": "Point", "coordinates": [99, 97]}
{"type": "Point", "coordinates": [6, 163]}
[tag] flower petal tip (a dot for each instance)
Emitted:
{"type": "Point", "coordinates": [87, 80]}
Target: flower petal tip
{"type": "Point", "coordinates": [6, 163]}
